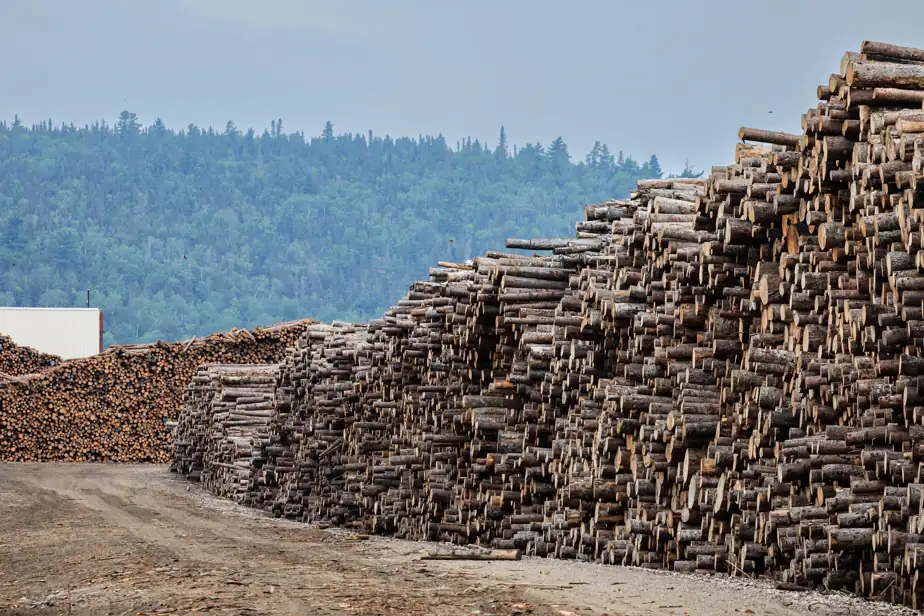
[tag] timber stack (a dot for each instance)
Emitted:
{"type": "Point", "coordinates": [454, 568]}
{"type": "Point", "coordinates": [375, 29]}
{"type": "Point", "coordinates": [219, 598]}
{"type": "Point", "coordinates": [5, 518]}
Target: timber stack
{"type": "Point", "coordinates": [226, 414]}
{"type": "Point", "coordinates": [17, 360]}
{"type": "Point", "coordinates": [715, 375]}
{"type": "Point", "coordinates": [116, 406]}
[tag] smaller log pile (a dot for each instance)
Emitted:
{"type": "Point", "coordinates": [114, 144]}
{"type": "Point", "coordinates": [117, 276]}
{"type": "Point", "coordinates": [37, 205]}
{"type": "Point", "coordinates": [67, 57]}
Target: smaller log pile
{"type": "Point", "coordinates": [226, 416]}
{"type": "Point", "coordinates": [17, 360]}
{"type": "Point", "coordinates": [114, 407]}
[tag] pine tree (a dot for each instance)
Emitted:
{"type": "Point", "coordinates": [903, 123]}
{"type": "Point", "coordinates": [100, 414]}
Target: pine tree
{"type": "Point", "coordinates": [502, 144]}
{"type": "Point", "coordinates": [654, 167]}
{"type": "Point", "coordinates": [558, 151]}
{"type": "Point", "coordinates": [128, 124]}
{"type": "Point", "coordinates": [606, 159]}
{"type": "Point", "coordinates": [13, 237]}
{"type": "Point", "coordinates": [629, 166]}
{"type": "Point", "coordinates": [593, 157]}
{"type": "Point", "coordinates": [328, 134]}
{"type": "Point", "coordinates": [158, 128]}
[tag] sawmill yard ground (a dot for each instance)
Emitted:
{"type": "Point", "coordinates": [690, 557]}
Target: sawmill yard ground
{"type": "Point", "coordinates": [106, 539]}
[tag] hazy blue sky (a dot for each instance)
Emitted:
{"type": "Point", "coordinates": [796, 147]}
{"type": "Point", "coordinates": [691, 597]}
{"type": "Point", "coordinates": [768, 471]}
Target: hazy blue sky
{"type": "Point", "coordinates": [675, 78]}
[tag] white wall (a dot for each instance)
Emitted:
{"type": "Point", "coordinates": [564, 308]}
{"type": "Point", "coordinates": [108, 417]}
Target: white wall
{"type": "Point", "coordinates": [68, 332]}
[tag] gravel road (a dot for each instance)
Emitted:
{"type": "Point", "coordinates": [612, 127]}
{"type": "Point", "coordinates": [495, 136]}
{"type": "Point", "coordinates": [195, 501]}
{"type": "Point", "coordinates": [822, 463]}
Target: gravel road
{"type": "Point", "coordinates": [108, 539]}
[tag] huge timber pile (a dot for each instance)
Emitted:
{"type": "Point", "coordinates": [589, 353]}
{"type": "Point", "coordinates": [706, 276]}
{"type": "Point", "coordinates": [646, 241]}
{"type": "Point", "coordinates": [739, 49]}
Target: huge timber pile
{"type": "Point", "coordinates": [115, 406]}
{"type": "Point", "coordinates": [17, 360]}
{"type": "Point", "coordinates": [713, 375]}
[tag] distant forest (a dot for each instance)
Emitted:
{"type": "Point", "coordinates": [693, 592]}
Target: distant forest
{"type": "Point", "coordinates": [182, 233]}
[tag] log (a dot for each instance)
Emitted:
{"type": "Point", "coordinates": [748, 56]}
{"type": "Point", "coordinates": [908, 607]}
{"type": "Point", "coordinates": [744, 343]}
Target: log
{"type": "Point", "coordinates": [892, 51]}
{"type": "Point", "coordinates": [885, 74]}
{"type": "Point", "coordinates": [766, 136]}
{"type": "Point", "coordinates": [470, 555]}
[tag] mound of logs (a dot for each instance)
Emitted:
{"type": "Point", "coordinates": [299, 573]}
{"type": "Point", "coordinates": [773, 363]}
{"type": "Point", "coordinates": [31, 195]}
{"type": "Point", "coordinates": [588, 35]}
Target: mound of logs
{"type": "Point", "coordinates": [716, 375]}
{"type": "Point", "coordinates": [225, 419]}
{"type": "Point", "coordinates": [17, 360]}
{"type": "Point", "coordinates": [116, 406]}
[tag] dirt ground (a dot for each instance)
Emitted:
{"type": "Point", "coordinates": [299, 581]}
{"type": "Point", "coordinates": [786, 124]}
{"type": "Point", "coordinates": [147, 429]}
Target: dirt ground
{"type": "Point", "coordinates": [94, 539]}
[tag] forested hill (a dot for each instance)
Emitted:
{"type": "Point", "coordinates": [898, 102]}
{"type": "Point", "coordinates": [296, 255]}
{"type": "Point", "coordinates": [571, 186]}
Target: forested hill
{"type": "Point", "coordinates": [182, 233]}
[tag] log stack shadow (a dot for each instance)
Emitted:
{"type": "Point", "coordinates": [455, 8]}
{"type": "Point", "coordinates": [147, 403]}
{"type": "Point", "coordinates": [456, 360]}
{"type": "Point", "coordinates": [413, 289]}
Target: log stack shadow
{"type": "Point", "coordinates": [714, 375]}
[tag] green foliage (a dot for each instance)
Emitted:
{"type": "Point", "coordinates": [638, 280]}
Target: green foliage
{"type": "Point", "coordinates": [182, 233]}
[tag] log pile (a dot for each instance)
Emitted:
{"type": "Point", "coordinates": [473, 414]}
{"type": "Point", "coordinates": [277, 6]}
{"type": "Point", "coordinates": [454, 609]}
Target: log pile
{"type": "Point", "coordinates": [115, 406]}
{"type": "Point", "coordinates": [226, 413]}
{"type": "Point", "coordinates": [718, 375]}
{"type": "Point", "coordinates": [17, 360]}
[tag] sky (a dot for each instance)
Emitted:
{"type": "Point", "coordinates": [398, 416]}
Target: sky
{"type": "Point", "coordinates": [675, 78]}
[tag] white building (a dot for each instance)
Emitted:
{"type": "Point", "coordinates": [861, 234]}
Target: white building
{"type": "Point", "coordinates": [66, 332]}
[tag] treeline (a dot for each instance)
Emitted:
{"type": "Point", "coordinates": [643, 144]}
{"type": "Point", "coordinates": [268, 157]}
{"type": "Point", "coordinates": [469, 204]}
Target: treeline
{"type": "Point", "coordinates": [181, 233]}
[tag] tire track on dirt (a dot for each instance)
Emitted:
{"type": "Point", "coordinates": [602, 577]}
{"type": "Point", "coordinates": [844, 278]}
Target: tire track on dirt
{"type": "Point", "coordinates": [123, 539]}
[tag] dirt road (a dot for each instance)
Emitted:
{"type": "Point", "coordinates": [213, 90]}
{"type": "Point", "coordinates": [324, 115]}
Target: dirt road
{"type": "Point", "coordinates": [91, 540]}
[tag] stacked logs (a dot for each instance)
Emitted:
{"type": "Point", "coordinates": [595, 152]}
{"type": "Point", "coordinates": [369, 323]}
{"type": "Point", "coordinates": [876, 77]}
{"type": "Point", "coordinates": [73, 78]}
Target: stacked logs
{"type": "Point", "coordinates": [17, 360]}
{"type": "Point", "coordinates": [718, 375]}
{"type": "Point", "coordinates": [226, 414]}
{"type": "Point", "coordinates": [115, 406]}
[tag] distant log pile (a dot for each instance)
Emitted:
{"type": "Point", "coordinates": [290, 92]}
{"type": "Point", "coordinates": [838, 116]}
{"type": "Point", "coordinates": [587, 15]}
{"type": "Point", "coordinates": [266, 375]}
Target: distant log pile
{"type": "Point", "coordinates": [115, 406]}
{"type": "Point", "coordinates": [16, 360]}
{"type": "Point", "coordinates": [713, 375]}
